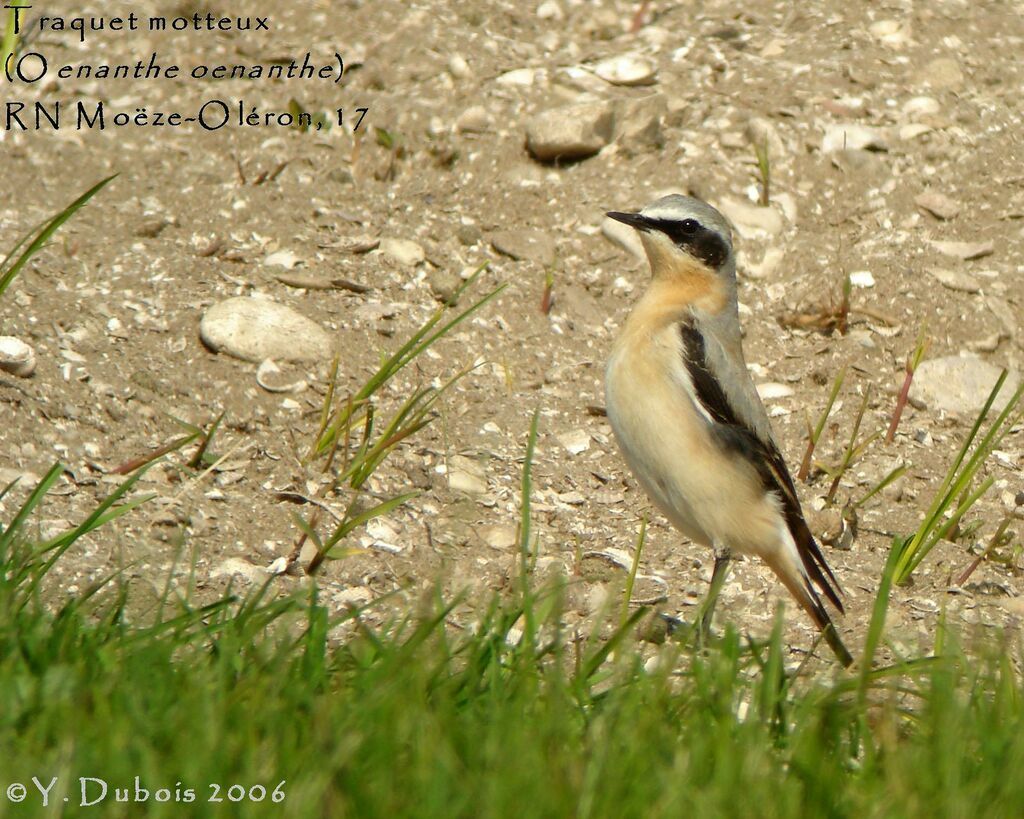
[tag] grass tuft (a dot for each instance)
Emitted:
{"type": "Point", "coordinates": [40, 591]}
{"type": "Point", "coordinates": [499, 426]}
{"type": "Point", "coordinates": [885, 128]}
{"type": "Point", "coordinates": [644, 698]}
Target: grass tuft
{"type": "Point", "coordinates": [814, 434]}
{"type": "Point", "coordinates": [36, 239]}
{"type": "Point", "coordinates": [349, 426]}
{"type": "Point", "coordinates": [764, 170]}
{"type": "Point", "coordinates": [854, 449]}
{"type": "Point", "coordinates": [913, 362]}
{"type": "Point", "coordinates": [265, 702]}
{"type": "Point", "coordinates": [956, 495]}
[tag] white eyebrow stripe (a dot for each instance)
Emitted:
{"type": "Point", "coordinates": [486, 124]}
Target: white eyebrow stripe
{"type": "Point", "coordinates": [669, 213]}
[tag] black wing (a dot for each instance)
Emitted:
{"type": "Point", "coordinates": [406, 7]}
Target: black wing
{"type": "Point", "coordinates": [763, 454]}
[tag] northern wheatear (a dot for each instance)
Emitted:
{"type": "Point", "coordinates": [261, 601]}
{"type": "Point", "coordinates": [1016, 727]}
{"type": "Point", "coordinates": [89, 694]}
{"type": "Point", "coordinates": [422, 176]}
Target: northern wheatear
{"type": "Point", "coordinates": [690, 422]}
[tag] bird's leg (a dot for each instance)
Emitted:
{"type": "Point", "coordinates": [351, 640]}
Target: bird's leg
{"type": "Point", "coordinates": [718, 576]}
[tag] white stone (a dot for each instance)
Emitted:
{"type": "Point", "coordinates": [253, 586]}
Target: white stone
{"type": "Point", "coordinates": [550, 10]}
{"type": "Point", "coordinates": [964, 250]}
{"type": "Point", "coordinates": [282, 258]}
{"type": "Point", "coordinates": [404, 251]}
{"type": "Point", "coordinates": [771, 390]}
{"type": "Point", "coordinates": [751, 221]}
{"type": "Point", "coordinates": [575, 441]}
{"type": "Point", "coordinates": [937, 204]}
{"type": "Point", "coordinates": [269, 377]}
{"type": "Point", "coordinates": [955, 280]}
{"type": "Point", "coordinates": [627, 70]}
{"type": "Point", "coordinates": [920, 107]}
{"type": "Point", "coordinates": [624, 236]}
{"type": "Point", "coordinates": [16, 357]}
{"type": "Point", "coordinates": [913, 131]}
{"type": "Point", "coordinates": [862, 278]}
{"type": "Point", "coordinates": [466, 475]}
{"type": "Point", "coordinates": [499, 536]}
{"type": "Point", "coordinates": [458, 67]}
{"type": "Point", "coordinates": [474, 120]}
{"type": "Point", "coordinates": [382, 535]}
{"type": "Point", "coordinates": [772, 258]}
{"type": "Point", "coordinates": [521, 77]}
{"type": "Point", "coordinates": [891, 33]}
{"type": "Point", "coordinates": [257, 328]}
{"type": "Point", "coordinates": [960, 384]}
{"type": "Point", "coordinates": [571, 131]}
{"type": "Point", "coordinates": [236, 566]}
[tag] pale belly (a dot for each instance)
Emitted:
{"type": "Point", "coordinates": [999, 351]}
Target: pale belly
{"type": "Point", "coordinates": [666, 441]}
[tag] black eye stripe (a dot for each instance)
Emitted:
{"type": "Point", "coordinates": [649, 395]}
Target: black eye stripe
{"type": "Point", "coordinates": [699, 241]}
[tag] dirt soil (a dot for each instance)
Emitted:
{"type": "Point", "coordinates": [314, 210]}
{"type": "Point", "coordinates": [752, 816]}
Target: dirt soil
{"type": "Point", "coordinates": [112, 306]}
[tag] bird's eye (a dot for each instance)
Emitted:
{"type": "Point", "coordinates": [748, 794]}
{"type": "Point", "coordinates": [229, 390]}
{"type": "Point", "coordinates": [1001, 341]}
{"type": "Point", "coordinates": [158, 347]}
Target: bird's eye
{"type": "Point", "coordinates": [690, 226]}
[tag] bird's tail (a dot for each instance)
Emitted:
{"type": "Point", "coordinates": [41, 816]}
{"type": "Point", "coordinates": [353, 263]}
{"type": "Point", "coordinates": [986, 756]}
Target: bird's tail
{"type": "Point", "coordinates": [799, 584]}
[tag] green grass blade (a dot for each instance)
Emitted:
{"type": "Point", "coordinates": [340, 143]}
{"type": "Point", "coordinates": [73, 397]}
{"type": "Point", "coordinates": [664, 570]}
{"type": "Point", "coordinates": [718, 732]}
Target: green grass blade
{"type": "Point", "coordinates": [103, 513]}
{"type": "Point", "coordinates": [633, 568]}
{"type": "Point", "coordinates": [350, 523]}
{"type": "Point", "coordinates": [894, 475]}
{"type": "Point", "coordinates": [939, 532]}
{"type": "Point", "coordinates": [51, 227]}
{"type": "Point", "coordinates": [6, 489]}
{"type": "Point", "coordinates": [877, 624]}
{"type": "Point", "coordinates": [956, 480]}
{"type": "Point", "coordinates": [31, 502]}
{"type": "Point", "coordinates": [592, 663]}
{"type": "Point", "coordinates": [525, 533]}
{"type": "Point", "coordinates": [421, 340]}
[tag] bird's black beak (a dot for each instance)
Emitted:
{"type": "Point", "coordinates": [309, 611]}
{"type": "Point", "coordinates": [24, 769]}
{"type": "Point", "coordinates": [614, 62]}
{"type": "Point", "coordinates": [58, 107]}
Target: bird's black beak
{"type": "Point", "coordinates": [634, 220]}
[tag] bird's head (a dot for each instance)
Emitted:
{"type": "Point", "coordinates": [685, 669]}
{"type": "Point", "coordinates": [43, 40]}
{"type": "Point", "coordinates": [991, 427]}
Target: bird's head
{"type": "Point", "coordinates": [684, 237]}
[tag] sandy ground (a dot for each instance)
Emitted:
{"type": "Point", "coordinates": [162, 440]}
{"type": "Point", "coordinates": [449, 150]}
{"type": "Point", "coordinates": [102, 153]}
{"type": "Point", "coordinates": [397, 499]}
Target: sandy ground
{"type": "Point", "coordinates": [112, 306]}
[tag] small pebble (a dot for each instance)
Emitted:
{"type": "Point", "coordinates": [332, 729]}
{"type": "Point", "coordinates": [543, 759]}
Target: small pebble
{"type": "Point", "coordinates": [466, 475]}
{"type": "Point", "coordinates": [943, 72]}
{"type": "Point", "coordinates": [964, 250]}
{"type": "Point", "coordinates": [468, 235]}
{"type": "Point", "coordinates": [151, 227]}
{"type": "Point", "coordinates": [862, 279]}
{"type": "Point", "coordinates": [571, 131]}
{"type": "Point", "coordinates": [444, 284]}
{"type": "Point", "coordinates": [627, 70]}
{"type": "Point", "coordinates": [532, 245]}
{"type": "Point", "coordinates": [751, 221]}
{"type": "Point", "coordinates": [771, 390]}
{"type": "Point", "coordinates": [272, 378]}
{"type": "Point", "coordinates": [955, 279]}
{"type": "Point", "coordinates": [17, 357]}
{"type": "Point", "coordinates": [282, 258]}
{"type": "Point", "coordinates": [891, 33]}
{"type": "Point", "coordinates": [500, 537]}
{"type": "Point", "coordinates": [458, 67]}
{"type": "Point", "coordinates": [938, 205]}
{"type": "Point", "coordinates": [624, 236]}
{"type": "Point", "coordinates": [921, 106]}
{"type": "Point", "coordinates": [404, 251]}
{"type": "Point", "coordinates": [255, 329]}
{"type": "Point", "coordinates": [550, 10]}
{"type": "Point", "coordinates": [575, 442]}
{"type": "Point", "coordinates": [474, 120]}
{"type": "Point", "coordinates": [959, 384]}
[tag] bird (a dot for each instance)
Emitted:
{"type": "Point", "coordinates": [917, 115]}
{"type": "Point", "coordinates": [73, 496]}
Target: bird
{"type": "Point", "coordinates": [689, 421]}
